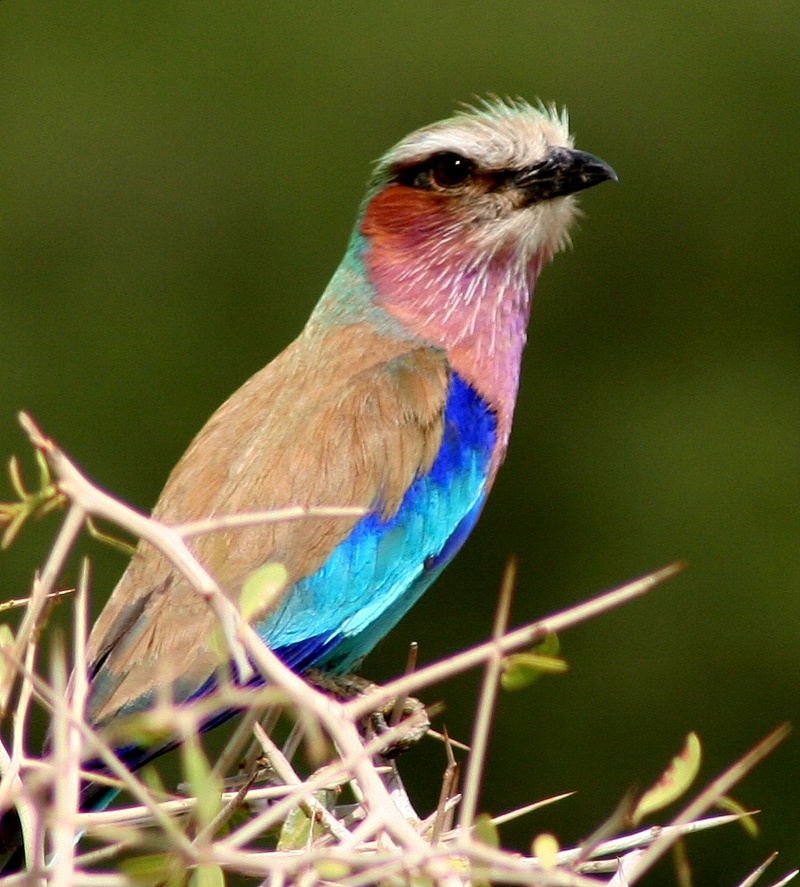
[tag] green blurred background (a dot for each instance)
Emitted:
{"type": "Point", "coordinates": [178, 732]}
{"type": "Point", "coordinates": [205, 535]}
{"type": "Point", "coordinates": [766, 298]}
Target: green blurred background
{"type": "Point", "coordinates": [177, 183]}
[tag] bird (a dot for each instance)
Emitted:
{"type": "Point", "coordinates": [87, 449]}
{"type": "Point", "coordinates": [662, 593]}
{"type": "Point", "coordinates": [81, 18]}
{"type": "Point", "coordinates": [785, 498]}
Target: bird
{"type": "Point", "coordinates": [397, 397]}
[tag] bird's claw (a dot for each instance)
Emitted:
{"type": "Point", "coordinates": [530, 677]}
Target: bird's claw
{"type": "Point", "coordinates": [385, 717]}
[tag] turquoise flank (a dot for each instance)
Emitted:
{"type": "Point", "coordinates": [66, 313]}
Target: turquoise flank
{"type": "Point", "coordinates": [334, 617]}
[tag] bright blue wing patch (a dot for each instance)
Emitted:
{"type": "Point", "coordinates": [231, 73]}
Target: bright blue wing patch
{"type": "Point", "coordinates": [334, 617]}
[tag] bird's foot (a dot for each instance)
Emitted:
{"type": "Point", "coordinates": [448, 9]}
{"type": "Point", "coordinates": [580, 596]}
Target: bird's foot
{"type": "Point", "coordinates": [385, 717]}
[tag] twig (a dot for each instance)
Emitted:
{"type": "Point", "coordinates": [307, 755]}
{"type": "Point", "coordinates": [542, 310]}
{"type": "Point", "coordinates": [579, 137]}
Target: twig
{"type": "Point", "coordinates": [67, 744]}
{"type": "Point", "coordinates": [718, 787]}
{"type": "Point", "coordinates": [519, 637]}
{"type": "Point", "coordinates": [751, 879]}
{"type": "Point", "coordinates": [333, 774]}
{"type": "Point", "coordinates": [106, 755]}
{"type": "Point", "coordinates": [286, 772]}
{"type": "Point", "coordinates": [42, 588]}
{"type": "Point", "coordinates": [399, 703]}
{"type": "Point", "coordinates": [239, 636]}
{"type": "Point", "coordinates": [11, 783]}
{"type": "Point", "coordinates": [486, 701]}
{"type": "Point", "coordinates": [385, 845]}
{"type": "Point", "coordinates": [446, 793]}
{"type": "Point", "coordinates": [241, 520]}
{"type": "Point", "coordinates": [511, 815]}
{"type": "Point", "coordinates": [643, 838]}
{"type": "Point", "coordinates": [88, 499]}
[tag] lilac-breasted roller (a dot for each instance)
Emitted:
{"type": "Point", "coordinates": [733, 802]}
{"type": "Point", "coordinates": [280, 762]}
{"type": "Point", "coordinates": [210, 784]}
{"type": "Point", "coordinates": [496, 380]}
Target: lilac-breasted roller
{"type": "Point", "coordinates": [397, 397]}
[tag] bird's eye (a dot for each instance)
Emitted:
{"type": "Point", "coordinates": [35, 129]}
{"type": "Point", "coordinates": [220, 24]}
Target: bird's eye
{"type": "Point", "coordinates": [449, 170]}
{"type": "Point", "coordinates": [440, 172]}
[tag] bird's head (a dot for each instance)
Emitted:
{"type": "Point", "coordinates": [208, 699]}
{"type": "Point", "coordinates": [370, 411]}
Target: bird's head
{"type": "Point", "coordinates": [458, 220]}
{"type": "Point", "coordinates": [497, 181]}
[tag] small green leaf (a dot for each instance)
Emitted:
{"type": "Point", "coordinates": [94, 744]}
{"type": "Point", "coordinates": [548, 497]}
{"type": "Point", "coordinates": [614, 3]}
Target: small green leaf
{"type": "Point", "coordinates": [332, 870]}
{"type": "Point", "coordinates": [15, 517]}
{"type": "Point", "coordinates": [202, 783]}
{"type": "Point", "coordinates": [152, 779]}
{"type": "Point", "coordinates": [216, 643]}
{"type": "Point", "coordinates": [109, 539]}
{"type": "Point", "coordinates": [146, 729]}
{"type": "Point", "coordinates": [520, 670]}
{"type": "Point", "coordinates": [748, 822]}
{"type": "Point", "coordinates": [261, 590]}
{"type": "Point", "coordinates": [29, 504]}
{"type": "Point", "coordinates": [485, 831]}
{"type": "Point", "coordinates": [152, 869]}
{"type": "Point", "coordinates": [295, 831]}
{"type": "Point", "coordinates": [207, 876]}
{"type": "Point", "coordinates": [545, 848]}
{"type": "Point", "coordinates": [673, 782]}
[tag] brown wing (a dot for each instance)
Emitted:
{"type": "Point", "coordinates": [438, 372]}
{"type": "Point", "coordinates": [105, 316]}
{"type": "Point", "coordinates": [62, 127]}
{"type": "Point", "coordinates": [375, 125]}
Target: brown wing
{"type": "Point", "coordinates": [345, 417]}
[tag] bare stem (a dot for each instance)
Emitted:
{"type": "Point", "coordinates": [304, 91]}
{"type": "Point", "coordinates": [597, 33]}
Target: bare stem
{"type": "Point", "coordinates": [513, 640]}
{"type": "Point", "coordinates": [486, 701]}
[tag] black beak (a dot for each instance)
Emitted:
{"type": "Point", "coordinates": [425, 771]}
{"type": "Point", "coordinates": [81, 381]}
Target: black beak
{"type": "Point", "coordinates": [563, 171]}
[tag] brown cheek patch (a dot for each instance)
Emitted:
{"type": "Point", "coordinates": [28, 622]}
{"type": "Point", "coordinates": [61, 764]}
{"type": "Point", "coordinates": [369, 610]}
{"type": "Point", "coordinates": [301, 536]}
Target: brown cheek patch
{"type": "Point", "coordinates": [400, 217]}
{"type": "Point", "coordinates": [401, 222]}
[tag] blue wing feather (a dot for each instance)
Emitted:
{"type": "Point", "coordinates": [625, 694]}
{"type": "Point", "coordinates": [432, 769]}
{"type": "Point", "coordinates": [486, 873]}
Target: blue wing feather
{"type": "Point", "coordinates": [333, 618]}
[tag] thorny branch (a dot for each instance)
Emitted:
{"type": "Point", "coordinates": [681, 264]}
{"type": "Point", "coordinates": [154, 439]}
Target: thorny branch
{"type": "Point", "coordinates": [379, 843]}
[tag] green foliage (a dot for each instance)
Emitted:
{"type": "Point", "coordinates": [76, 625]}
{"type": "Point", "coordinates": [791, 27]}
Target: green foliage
{"type": "Point", "coordinates": [202, 782]}
{"type": "Point", "coordinates": [207, 876]}
{"type": "Point", "coordinates": [153, 870]}
{"type": "Point", "coordinates": [261, 590]}
{"type": "Point", "coordinates": [171, 208]}
{"type": "Point", "coordinates": [485, 831]}
{"type": "Point", "coordinates": [674, 782]}
{"type": "Point", "coordinates": [520, 670]}
{"type": "Point", "coordinates": [299, 830]}
{"type": "Point", "coordinates": [46, 497]}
